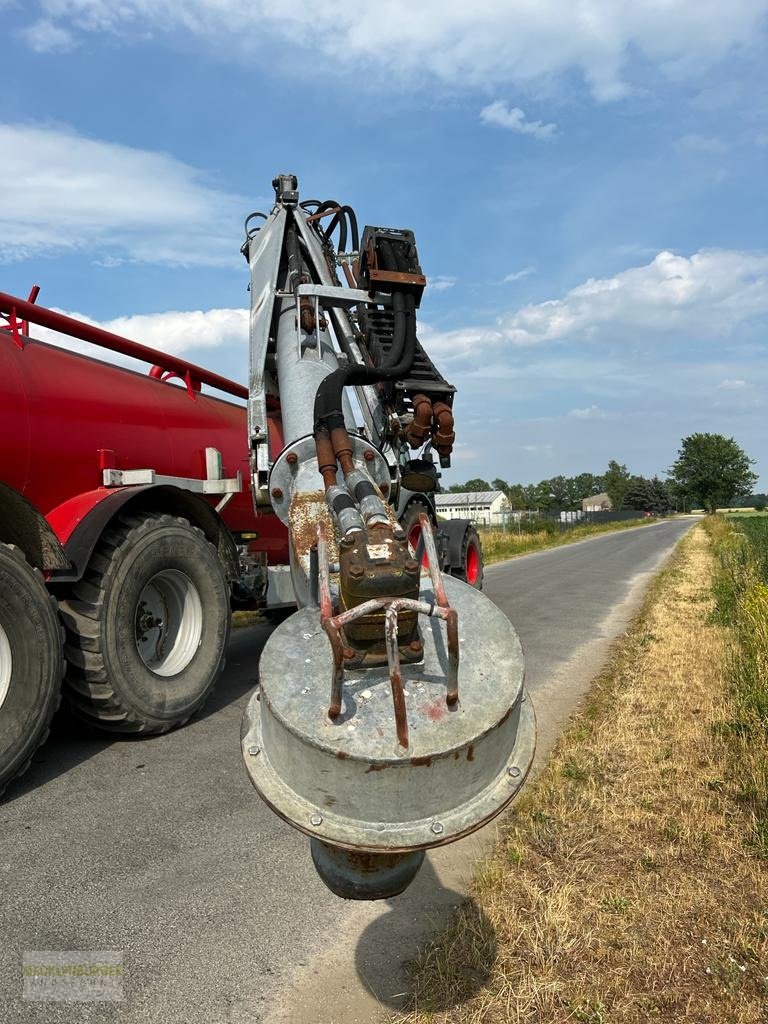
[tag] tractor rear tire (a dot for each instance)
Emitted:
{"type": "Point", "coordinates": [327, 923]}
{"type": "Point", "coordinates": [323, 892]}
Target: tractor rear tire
{"type": "Point", "coordinates": [411, 525]}
{"type": "Point", "coordinates": [472, 563]}
{"type": "Point", "coordinates": [31, 662]}
{"type": "Point", "coordinates": [147, 626]}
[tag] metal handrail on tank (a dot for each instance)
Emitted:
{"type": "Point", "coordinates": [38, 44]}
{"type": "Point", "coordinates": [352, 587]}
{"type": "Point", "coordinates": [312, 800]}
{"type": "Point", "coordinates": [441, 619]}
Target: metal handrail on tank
{"type": "Point", "coordinates": [21, 311]}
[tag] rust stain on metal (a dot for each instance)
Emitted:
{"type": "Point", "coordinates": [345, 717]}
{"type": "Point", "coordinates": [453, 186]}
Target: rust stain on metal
{"type": "Point", "coordinates": [338, 668]}
{"type": "Point", "coordinates": [435, 710]}
{"type": "Point", "coordinates": [419, 762]}
{"type": "Point", "coordinates": [366, 862]}
{"type": "Point", "coordinates": [324, 213]}
{"type": "Point", "coordinates": [471, 752]}
{"type": "Point", "coordinates": [376, 767]}
{"type": "Point", "coordinates": [401, 715]}
{"type": "Point", "coordinates": [306, 511]}
{"type": "Point", "coordinates": [342, 755]}
{"type": "Point", "coordinates": [504, 717]}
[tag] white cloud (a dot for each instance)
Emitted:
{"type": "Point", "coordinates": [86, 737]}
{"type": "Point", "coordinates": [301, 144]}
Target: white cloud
{"type": "Point", "coordinates": [544, 449]}
{"type": "Point", "coordinates": [518, 275]}
{"type": "Point", "coordinates": [731, 385]}
{"type": "Point", "coordinates": [64, 192]}
{"type": "Point", "coordinates": [45, 36]}
{"type": "Point", "coordinates": [514, 119]}
{"type": "Point", "coordinates": [591, 412]}
{"type": "Point", "coordinates": [214, 338]}
{"type": "Point", "coordinates": [457, 344]}
{"type": "Point", "coordinates": [441, 283]}
{"type": "Point", "coordinates": [704, 296]}
{"type": "Point", "coordinates": [463, 453]}
{"type": "Point", "coordinates": [704, 144]}
{"type": "Point", "coordinates": [485, 43]}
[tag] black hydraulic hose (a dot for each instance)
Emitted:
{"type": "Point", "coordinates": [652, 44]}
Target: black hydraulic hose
{"type": "Point", "coordinates": [328, 412]}
{"type": "Point", "coordinates": [343, 215]}
{"type": "Point", "coordinates": [340, 220]}
{"type": "Point", "coordinates": [327, 204]}
{"type": "Point", "coordinates": [352, 217]}
{"type": "Point", "coordinates": [294, 256]}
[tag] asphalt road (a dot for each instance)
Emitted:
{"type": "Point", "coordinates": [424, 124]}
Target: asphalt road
{"type": "Point", "coordinates": [160, 848]}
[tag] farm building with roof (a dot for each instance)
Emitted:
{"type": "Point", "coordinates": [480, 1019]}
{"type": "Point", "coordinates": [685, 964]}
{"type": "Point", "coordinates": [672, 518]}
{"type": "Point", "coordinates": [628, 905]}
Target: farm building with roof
{"type": "Point", "coordinates": [487, 508]}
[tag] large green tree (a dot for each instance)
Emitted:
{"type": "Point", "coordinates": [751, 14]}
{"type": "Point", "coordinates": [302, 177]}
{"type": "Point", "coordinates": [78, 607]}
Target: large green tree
{"type": "Point", "coordinates": [616, 481]}
{"type": "Point", "coordinates": [638, 494]}
{"type": "Point", "coordinates": [647, 495]}
{"type": "Point", "coordinates": [711, 470]}
{"type": "Point", "coordinates": [585, 485]}
{"type": "Point", "coordinates": [475, 484]}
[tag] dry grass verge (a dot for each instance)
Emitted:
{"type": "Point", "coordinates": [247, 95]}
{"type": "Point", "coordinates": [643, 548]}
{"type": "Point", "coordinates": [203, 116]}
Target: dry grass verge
{"type": "Point", "coordinates": [622, 889]}
{"type": "Point", "coordinates": [240, 619]}
{"type": "Point", "coordinates": [499, 545]}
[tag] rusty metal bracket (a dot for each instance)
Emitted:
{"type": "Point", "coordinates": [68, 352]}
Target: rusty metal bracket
{"type": "Point", "coordinates": [332, 625]}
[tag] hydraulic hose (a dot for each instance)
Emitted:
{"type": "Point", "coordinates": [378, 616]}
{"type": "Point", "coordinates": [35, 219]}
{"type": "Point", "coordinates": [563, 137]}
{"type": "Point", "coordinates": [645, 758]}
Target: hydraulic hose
{"type": "Point", "coordinates": [327, 411]}
{"type": "Point", "coordinates": [330, 432]}
{"type": "Point", "coordinates": [344, 218]}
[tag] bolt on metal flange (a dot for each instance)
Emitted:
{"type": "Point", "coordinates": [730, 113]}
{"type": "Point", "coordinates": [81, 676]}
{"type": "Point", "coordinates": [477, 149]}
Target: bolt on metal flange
{"type": "Point", "coordinates": [436, 827]}
{"type": "Point", "coordinates": [253, 751]}
{"type": "Point", "coordinates": [513, 771]}
{"type": "Point", "coordinates": [316, 819]}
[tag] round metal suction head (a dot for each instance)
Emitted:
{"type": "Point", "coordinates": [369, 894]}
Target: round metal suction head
{"type": "Point", "coordinates": [360, 875]}
{"type": "Point", "coordinates": [349, 784]}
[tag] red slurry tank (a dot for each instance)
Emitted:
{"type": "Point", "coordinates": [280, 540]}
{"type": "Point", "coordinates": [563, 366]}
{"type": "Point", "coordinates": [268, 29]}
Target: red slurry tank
{"type": "Point", "coordinates": [126, 514]}
{"type": "Point", "coordinates": [64, 418]}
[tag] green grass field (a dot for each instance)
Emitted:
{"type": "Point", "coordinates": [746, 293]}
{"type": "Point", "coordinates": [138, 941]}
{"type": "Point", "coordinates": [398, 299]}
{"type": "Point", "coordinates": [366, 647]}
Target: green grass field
{"type": "Point", "coordinates": [741, 592]}
{"type": "Point", "coordinates": [499, 545]}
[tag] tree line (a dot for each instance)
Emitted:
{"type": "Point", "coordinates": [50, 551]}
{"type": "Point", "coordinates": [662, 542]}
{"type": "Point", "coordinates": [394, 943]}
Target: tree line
{"type": "Point", "coordinates": [711, 471]}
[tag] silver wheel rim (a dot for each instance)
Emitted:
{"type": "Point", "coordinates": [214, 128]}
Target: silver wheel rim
{"type": "Point", "coordinates": [168, 623]}
{"type": "Point", "coordinates": [6, 665]}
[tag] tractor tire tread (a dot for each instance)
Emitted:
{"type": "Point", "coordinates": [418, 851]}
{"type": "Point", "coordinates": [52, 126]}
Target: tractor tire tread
{"type": "Point", "coordinates": [19, 556]}
{"type": "Point", "coordinates": [90, 695]}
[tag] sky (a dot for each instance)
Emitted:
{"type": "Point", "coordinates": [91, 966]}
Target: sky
{"type": "Point", "coordinates": [586, 181]}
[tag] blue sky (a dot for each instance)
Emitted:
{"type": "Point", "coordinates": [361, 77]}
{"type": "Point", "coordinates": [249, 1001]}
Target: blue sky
{"type": "Point", "coordinates": [586, 181]}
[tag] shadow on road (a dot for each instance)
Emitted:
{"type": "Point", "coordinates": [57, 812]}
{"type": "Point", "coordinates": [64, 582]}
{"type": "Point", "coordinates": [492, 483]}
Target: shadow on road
{"type": "Point", "coordinates": [69, 744]}
{"type": "Point", "coordinates": [241, 672]}
{"type": "Point", "coordinates": [72, 742]}
{"type": "Point", "coordinates": [386, 947]}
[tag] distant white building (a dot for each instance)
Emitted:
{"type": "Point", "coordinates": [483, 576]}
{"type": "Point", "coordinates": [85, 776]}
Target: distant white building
{"type": "Point", "coordinates": [596, 503]}
{"type": "Point", "coordinates": [489, 508]}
